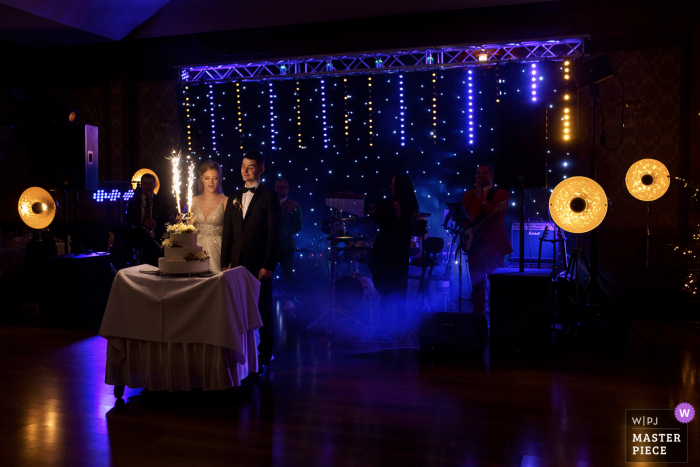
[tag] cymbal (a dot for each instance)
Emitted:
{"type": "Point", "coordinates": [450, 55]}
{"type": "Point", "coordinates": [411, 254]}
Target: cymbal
{"type": "Point", "coordinates": [349, 238]}
{"type": "Point", "coordinates": [36, 208]}
{"type": "Point", "coordinates": [424, 214]}
{"type": "Point", "coordinates": [355, 248]}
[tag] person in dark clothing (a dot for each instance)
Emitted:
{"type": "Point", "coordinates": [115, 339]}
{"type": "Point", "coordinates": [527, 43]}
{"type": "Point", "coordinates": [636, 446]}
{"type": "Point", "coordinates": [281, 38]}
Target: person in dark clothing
{"type": "Point", "coordinates": [251, 239]}
{"type": "Point", "coordinates": [151, 212]}
{"type": "Point", "coordinates": [389, 257]}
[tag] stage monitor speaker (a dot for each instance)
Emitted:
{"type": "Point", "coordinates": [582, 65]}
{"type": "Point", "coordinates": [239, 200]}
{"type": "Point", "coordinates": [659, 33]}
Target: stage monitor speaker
{"type": "Point", "coordinates": [454, 334]}
{"type": "Point", "coordinates": [533, 232]}
{"type": "Point", "coordinates": [521, 158]}
{"type": "Point", "coordinates": [71, 153]}
{"type": "Point", "coordinates": [521, 313]}
{"type": "Point", "coordinates": [79, 286]}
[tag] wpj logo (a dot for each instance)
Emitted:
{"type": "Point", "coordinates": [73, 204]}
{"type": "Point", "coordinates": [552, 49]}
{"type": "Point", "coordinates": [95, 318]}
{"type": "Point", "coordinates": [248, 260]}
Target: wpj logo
{"type": "Point", "coordinates": [657, 435]}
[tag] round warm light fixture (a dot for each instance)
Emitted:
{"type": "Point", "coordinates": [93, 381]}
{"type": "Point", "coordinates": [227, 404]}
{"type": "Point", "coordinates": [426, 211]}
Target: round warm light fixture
{"type": "Point", "coordinates": [647, 179]}
{"type": "Point", "coordinates": [578, 204]}
{"type": "Point", "coordinates": [36, 208]}
{"type": "Point", "coordinates": [140, 173]}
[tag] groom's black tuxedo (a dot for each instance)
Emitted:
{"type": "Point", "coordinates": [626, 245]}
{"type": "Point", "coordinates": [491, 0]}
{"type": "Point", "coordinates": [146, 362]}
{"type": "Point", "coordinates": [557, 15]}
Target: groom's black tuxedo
{"type": "Point", "coordinates": [253, 242]}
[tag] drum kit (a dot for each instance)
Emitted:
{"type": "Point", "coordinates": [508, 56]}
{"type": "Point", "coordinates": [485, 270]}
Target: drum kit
{"type": "Point", "coordinates": [353, 291]}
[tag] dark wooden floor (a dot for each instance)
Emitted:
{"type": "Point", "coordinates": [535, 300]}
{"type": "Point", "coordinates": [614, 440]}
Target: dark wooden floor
{"type": "Point", "coordinates": [354, 401]}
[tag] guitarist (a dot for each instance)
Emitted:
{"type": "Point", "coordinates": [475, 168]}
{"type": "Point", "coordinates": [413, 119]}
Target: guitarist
{"type": "Point", "coordinates": [491, 242]}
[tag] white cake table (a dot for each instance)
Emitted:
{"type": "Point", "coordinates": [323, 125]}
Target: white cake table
{"type": "Point", "coordinates": [177, 333]}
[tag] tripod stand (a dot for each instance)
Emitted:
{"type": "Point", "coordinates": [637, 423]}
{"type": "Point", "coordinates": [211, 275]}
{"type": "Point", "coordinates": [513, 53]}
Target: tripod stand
{"type": "Point", "coordinates": [644, 249]}
{"type": "Point", "coordinates": [333, 309]}
{"type": "Point", "coordinates": [459, 214]}
{"type": "Point", "coordinates": [588, 295]}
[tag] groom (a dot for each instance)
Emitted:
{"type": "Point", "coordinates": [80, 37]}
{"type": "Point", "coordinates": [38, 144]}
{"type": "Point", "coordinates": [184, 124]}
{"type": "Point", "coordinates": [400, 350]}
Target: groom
{"type": "Point", "coordinates": [251, 239]}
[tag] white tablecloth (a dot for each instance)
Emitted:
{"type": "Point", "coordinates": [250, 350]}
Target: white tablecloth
{"type": "Point", "coordinates": [176, 333]}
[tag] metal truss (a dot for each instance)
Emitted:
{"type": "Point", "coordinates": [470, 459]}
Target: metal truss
{"type": "Point", "coordinates": [388, 61]}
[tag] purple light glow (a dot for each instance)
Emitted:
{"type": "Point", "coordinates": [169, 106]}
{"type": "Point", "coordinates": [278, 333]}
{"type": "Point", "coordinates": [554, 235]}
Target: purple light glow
{"type": "Point", "coordinates": [470, 103]}
{"type": "Point", "coordinates": [402, 108]}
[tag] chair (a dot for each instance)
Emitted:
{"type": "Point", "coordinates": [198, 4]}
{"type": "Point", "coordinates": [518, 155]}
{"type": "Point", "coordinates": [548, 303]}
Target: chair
{"type": "Point", "coordinates": [428, 260]}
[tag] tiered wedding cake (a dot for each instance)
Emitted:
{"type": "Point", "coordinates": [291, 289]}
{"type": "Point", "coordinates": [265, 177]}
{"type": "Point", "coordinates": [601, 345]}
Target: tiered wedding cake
{"type": "Point", "coordinates": [182, 254]}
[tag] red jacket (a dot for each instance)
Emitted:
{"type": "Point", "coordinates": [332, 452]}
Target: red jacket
{"type": "Point", "coordinates": [492, 232]}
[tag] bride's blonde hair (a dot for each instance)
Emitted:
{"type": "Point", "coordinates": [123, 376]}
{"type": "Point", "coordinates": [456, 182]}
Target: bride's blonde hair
{"type": "Point", "coordinates": [204, 168]}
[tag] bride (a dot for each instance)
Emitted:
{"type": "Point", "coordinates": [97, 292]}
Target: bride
{"type": "Point", "coordinates": [208, 209]}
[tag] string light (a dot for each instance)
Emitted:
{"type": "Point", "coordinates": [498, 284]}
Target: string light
{"type": "Point", "coordinates": [297, 94]}
{"type": "Point", "coordinates": [255, 131]}
{"type": "Point", "coordinates": [323, 112]}
{"type": "Point", "coordinates": [210, 94]}
{"type": "Point", "coordinates": [369, 89]}
{"type": "Point", "coordinates": [403, 112]}
{"type": "Point", "coordinates": [272, 116]}
{"type": "Point", "coordinates": [189, 126]}
{"type": "Point", "coordinates": [434, 110]}
{"type": "Point", "coordinates": [345, 103]}
{"type": "Point", "coordinates": [470, 108]}
{"type": "Point", "coordinates": [566, 117]}
{"type": "Point", "coordinates": [240, 116]}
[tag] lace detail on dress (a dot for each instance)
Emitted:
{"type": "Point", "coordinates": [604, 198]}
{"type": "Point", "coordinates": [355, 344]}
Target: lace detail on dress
{"type": "Point", "coordinates": [210, 230]}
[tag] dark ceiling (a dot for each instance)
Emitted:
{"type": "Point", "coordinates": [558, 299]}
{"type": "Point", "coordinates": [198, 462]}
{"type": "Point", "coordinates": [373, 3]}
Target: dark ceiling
{"type": "Point", "coordinates": [53, 23]}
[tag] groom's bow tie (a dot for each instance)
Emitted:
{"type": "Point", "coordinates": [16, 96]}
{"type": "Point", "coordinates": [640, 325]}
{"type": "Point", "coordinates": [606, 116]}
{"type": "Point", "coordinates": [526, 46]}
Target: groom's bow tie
{"type": "Point", "coordinates": [246, 190]}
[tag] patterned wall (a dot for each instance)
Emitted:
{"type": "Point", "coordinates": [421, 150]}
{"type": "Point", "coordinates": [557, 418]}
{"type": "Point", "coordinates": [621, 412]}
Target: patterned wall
{"type": "Point", "coordinates": [91, 103]}
{"type": "Point", "coordinates": [15, 167]}
{"type": "Point", "coordinates": [652, 82]}
{"type": "Point", "coordinates": [158, 127]}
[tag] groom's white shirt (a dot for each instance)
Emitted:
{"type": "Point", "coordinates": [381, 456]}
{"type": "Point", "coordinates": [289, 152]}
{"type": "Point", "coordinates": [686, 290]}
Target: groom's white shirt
{"type": "Point", "coordinates": [247, 197]}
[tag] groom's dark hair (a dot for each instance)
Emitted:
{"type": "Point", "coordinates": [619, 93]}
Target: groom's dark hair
{"type": "Point", "coordinates": [255, 156]}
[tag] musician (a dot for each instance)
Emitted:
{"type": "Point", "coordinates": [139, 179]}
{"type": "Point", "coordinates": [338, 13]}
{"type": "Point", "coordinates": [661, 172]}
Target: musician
{"type": "Point", "coordinates": [149, 211]}
{"type": "Point", "coordinates": [491, 244]}
{"type": "Point", "coordinates": [389, 257]}
{"type": "Point", "coordinates": [290, 225]}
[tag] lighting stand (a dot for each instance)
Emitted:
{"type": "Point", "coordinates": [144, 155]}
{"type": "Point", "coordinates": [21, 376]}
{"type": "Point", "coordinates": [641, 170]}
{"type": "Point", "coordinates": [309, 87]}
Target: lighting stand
{"type": "Point", "coordinates": [644, 248]}
{"type": "Point", "coordinates": [593, 292]}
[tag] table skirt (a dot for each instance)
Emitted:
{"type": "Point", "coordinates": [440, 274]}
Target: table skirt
{"type": "Point", "coordinates": [177, 366]}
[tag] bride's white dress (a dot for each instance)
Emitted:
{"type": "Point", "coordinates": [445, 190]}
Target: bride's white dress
{"type": "Point", "coordinates": [210, 230]}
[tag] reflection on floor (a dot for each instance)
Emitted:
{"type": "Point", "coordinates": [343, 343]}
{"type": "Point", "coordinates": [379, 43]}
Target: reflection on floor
{"type": "Point", "coordinates": [360, 398]}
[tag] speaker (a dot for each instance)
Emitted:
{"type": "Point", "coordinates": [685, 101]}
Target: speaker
{"type": "Point", "coordinates": [457, 334]}
{"type": "Point", "coordinates": [521, 313]}
{"type": "Point", "coordinates": [79, 286]}
{"type": "Point", "coordinates": [71, 153]}
{"type": "Point", "coordinates": [533, 232]}
{"type": "Point", "coordinates": [521, 148]}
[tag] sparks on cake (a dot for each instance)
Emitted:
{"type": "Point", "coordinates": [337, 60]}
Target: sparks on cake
{"type": "Point", "coordinates": [182, 254]}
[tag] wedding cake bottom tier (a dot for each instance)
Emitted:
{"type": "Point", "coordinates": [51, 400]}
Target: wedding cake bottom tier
{"type": "Point", "coordinates": [167, 266]}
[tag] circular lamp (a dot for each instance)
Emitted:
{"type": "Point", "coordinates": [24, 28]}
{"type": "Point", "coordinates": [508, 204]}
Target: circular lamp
{"type": "Point", "coordinates": [140, 173]}
{"type": "Point", "coordinates": [647, 179]}
{"type": "Point", "coordinates": [578, 204]}
{"type": "Point", "coordinates": [36, 208]}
